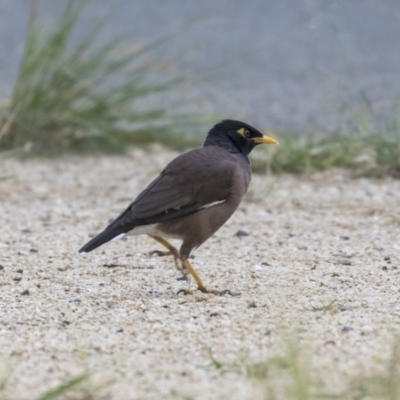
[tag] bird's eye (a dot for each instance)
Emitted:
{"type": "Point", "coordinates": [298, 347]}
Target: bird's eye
{"type": "Point", "coordinates": [247, 134]}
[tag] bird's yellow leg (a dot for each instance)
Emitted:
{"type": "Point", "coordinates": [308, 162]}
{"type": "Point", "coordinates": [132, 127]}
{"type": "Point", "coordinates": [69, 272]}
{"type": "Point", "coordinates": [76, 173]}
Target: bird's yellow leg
{"type": "Point", "coordinates": [189, 268]}
{"type": "Point", "coordinates": [194, 274]}
{"type": "Point", "coordinates": [200, 284]}
{"type": "Point", "coordinates": [172, 250]}
{"type": "Point", "coordinates": [166, 244]}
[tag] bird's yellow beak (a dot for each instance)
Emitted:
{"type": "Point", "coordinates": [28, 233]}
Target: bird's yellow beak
{"type": "Point", "coordinates": [265, 140]}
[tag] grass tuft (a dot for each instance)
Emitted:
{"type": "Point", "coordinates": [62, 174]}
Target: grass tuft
{"type": "Point", "coordinates": [71, 385]}
{"type": "Point", "coordinates": [292, 377]}
{"type": "Point", "coordinates": [86, 97]}
{"type": "Point", "coordinates": [364, 152]}
{"type": "Point", "coordinates": [311, 152]}
{"type": "Point", "coordinates": [3, 383]}
{"type": "Point", "coordinates": [327, 307]}
{"type": "Point", "coordinates": [384, 386]}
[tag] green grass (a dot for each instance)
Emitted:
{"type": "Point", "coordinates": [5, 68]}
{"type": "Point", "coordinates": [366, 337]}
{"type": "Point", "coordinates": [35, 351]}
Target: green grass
{"type": "Point", "coordinates": [308, 152]}
{"type": "Point", "coordinates": [327, 307]}
{"type": "Point", "coordinates": [85, 97]}
{"type": "Point", "coordinates": [292, 377]}
{"type": "Point", "coordinates": [75, 388]}
{"type": "Point", "coordinates": [364, 152]}
{"type": "Point", "coordinates": [282, 377]}
{"type": "Point", "coordinates": [68, 387]}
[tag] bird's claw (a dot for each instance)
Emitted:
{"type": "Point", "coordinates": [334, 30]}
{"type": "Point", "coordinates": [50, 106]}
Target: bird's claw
{"type": "Point", "coordinates": [184, 291]}
{"type": "Point", "coordinates": [167, 253]}
{"type": "Point", "coordinates": [160, 253]}
{"type": "Point", "coordinates": [210, 291]}
{"type": "Point", "coordinates": [219, 292]}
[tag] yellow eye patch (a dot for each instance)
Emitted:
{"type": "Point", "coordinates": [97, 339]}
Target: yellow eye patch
{"type": "Point", "coordinates": [244, 132]}
{"type": "Point", "coordinates": [258, 140]}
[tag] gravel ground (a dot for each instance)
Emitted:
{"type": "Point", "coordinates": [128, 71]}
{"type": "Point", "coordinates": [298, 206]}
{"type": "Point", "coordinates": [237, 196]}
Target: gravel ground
{"type": "Point", "coordinates": [116, 311]}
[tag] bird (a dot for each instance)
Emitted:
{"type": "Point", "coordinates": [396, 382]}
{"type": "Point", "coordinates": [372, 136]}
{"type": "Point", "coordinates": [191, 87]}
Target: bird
{"type": "Point", "coordinates": [192, 197]}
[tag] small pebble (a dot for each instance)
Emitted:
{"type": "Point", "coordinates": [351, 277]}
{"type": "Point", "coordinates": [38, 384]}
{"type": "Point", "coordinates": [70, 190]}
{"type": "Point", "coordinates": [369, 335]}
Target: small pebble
{"type": "Point", "coordinates": [25, 292]}
{"type": "Point", "coordinates": [241, 233]}
{"type": "Point", "coordinates": [366, 329]}
{"type": "Point", "coordinates": [266, 263]}
{"type": "Point", "coordinates": [155, 292]}
{"type": "Point", "coordinates": [75, 300]}
{"type": "Point", "coordinates": [214, 314]}
{"type": "Point", "coordinates": [347, 329]}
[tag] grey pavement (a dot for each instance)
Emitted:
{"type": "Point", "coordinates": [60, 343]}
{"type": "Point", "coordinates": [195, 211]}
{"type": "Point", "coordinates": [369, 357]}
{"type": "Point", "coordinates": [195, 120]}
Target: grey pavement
{"type": "Point", "coordinates": [283, 64]}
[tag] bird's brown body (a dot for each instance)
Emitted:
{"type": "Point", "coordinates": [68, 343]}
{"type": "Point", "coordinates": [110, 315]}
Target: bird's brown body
{"type": "Point", "coordinates": [216, 195]}
{"type": "Point", "coordinates": [194, 195]}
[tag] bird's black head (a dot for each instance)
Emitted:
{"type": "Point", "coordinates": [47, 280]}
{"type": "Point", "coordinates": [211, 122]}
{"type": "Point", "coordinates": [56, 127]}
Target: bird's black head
{"type": "Point", "coordinates": [236, 136]}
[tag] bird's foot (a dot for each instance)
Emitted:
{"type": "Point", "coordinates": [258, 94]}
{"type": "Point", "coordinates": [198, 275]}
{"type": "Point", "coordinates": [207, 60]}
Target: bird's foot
{"type": "Point", "coordinates": [160, 253]}
{"type": "Point", "coordinates": [219, 292]}
{"type": "Point", "coordinates": [211, 291]}
{"type": "Point", "coordinates": [167, 253]}
{"type": "Point", "coordinates": [185, 291]}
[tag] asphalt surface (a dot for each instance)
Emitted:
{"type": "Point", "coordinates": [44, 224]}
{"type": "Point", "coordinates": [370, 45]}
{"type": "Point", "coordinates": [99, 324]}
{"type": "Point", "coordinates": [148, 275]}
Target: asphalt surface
{"type": "Point", "coordinates": [281, 64]}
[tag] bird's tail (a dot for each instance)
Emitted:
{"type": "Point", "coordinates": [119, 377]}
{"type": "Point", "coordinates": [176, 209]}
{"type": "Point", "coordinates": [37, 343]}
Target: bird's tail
{"type": "Point", "coordinates": [100, 239]}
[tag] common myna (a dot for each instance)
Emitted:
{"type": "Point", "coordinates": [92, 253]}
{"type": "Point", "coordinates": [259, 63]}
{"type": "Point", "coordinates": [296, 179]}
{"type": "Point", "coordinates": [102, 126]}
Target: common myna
{"type": "Point", "coordinates": [194, 195]}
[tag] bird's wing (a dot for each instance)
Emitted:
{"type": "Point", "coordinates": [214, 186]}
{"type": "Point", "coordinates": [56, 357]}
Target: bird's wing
{"type": "Point", "coordinates": [197, 179]}
{"type": "Point", "coordinates": [190, 182]}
